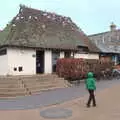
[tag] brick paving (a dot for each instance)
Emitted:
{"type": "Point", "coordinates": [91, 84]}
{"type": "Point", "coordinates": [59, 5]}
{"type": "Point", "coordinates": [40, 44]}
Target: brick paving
{"type": "Point", "coordinates": [108, 108]}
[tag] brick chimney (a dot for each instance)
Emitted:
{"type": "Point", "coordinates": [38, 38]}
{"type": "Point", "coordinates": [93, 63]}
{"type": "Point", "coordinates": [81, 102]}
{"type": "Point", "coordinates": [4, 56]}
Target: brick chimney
{"type": "Point", "coordinates": [112, 27]}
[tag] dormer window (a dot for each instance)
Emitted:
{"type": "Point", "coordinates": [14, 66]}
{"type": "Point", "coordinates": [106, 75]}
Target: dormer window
{"type": "Point", "coordinates": [82, 49]}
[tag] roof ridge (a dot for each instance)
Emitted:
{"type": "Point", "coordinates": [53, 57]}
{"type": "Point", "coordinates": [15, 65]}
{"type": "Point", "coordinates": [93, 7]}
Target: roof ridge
{"type": "Point", "coordinates": [44, 11]}
{"type": "Point", "coordinates": [103, 33]}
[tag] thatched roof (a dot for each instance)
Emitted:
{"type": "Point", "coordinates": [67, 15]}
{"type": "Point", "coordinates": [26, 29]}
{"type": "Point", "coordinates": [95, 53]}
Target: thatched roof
{"type": "Point", "coordinates": [36, 28]}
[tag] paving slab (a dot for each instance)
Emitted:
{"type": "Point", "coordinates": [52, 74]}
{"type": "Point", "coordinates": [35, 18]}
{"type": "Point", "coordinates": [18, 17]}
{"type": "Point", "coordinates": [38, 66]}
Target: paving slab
{"type": "Point", "coordinates": [56, 113]}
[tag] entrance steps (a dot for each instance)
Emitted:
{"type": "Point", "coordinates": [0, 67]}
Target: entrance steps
{"type": "Point", "coordinates": [13, 86]}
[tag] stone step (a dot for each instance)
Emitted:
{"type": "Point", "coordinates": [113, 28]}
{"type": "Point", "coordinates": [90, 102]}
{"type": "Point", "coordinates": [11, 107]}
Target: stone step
{"type": "Point", "coordinates": [55, 83]}
{"type": "Point", "coordinates": [10, 85]}
{"type": "Point", "coordinates": [35, 91]}
{"type": "Point", "coordinates": [15, 78]}
{"type": "Point", "coordinates": [9, 79]}
{"type": "Point", "coordinates": [46, 86]}
{"type": "Point", "coordinates": [39, 78]}
{"type": "Point", "coordinates": [2, 90]}
{"type": "Point", "coordinates": [23, 85]}
{"type": "Point", "coordinates": [42, 79]}
{"type": "Point", "coordinates": [39, 82]}
{"type": "Point", "coordinates": [9, 82]}
{"type": "Point", "coordinates": [40, 86]}
{"type": "Point", "coordinates": [35, 76]}
{"type": "Point", "coordinates": [28, 77]}
{"type": "Point", "coordinates": [12, 94]}
{"type": "Point", "coordinates": [31, 81]}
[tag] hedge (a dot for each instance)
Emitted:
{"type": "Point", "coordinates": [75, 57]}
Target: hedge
{"type": "Point", "coordinates": [74, 69]}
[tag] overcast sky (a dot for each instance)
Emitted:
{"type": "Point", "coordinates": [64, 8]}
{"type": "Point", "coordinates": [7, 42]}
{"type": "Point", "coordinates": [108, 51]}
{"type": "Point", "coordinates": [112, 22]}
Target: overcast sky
{"type": "Point", "coordinates": [92, 16]}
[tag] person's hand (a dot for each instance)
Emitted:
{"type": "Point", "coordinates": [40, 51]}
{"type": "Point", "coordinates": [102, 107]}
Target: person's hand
{"type": "Point", "coordinates": [94, 92]}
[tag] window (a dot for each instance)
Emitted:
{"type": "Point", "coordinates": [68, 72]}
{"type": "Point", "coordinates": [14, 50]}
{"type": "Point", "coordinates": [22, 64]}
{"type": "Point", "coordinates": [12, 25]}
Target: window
{"type": "Point", "coordinates": [67, 54]}
{"type": "Point", "coordinates": [3, 52]}
{"type": "Point", "coordinates": [20, 69]}
{"type": "Point", "coordinates": [15, 69]}
{"type": "Point", "coordinates": [82, 49]}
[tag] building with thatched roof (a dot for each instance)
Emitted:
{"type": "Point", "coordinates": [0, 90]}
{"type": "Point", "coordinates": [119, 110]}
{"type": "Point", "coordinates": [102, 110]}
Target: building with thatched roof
{"type": "Point", "coordinates": [35, 39]}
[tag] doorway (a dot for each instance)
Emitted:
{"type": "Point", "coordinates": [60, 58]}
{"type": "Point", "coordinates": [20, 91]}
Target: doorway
{"type": "Point", "coordinates": [39, 62]}
{"type": "Point", "coordinates": [67, 54]}
{"type": "Point", "coordinates": [55, 57]}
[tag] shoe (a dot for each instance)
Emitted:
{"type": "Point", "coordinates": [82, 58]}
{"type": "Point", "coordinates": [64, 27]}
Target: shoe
{"type": "Point", "coordinates": [94, 105]}
{"type": "Point", "coordinates": [88, 106]}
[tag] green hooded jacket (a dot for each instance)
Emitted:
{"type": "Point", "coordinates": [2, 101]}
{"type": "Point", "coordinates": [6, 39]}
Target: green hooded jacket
{"type": "Point", "coordinates": [90, 82]}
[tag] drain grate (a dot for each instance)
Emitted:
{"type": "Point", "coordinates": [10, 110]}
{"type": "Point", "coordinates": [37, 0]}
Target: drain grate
{"type": "Point", "coordinates": [56, 113]}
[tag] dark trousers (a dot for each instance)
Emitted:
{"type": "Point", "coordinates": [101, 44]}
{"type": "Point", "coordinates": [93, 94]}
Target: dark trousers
{"type": "Point", "coordinates": [91, 98]}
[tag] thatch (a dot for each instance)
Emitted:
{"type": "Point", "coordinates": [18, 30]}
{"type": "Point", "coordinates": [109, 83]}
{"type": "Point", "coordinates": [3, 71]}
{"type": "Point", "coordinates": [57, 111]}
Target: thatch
{"type": "Point", "coordinates": [36, 28]}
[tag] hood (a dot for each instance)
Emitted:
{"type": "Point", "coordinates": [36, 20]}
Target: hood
{"type": "Point", "coordinates": [90, 75]}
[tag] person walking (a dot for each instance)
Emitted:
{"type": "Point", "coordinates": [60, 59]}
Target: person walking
{"type": "Point", "coordinates": [91, 87]}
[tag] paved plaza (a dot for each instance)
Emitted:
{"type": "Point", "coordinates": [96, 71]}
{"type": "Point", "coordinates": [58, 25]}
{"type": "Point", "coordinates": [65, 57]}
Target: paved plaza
{"type": "Point", "coordinates": [108, 107]}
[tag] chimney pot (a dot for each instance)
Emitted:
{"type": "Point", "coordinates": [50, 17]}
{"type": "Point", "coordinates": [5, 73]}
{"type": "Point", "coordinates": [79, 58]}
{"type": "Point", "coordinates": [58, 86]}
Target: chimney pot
{"type": "Point", "coordinates": [112, 27]}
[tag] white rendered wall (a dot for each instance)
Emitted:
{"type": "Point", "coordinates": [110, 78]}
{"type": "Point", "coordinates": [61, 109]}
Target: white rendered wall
{"type": "Point", "coordinates": [93, 56]}
{"type": "Point", "coordinates": [3, 65]}
{"type": "Point", "coordinates": [86, 56]}
{"type": "Point", "coordinates": [21, 57]}
{"type": "Point", "coordinates": [48, 61]}
{"type": "Point", "coordinates": [77, 55]}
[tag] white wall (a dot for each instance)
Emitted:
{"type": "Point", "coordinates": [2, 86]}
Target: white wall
{"type": "Point", "coordinates": [21, 57]}
{"type": "Point", "coordinates": [78, 55]}
{"type": "Point", "coordinates": [62, 55]}
{"type": "Point", "coordinates": [93, 56]}
{"type": "Point", "coordinates": [48, 61]}
{"type": "Point", "coordinates": [86, 56]}
{"type": "Point", "coordinates": [24, 57]}
{"type": "Point", "coordinates": [3, 65]}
